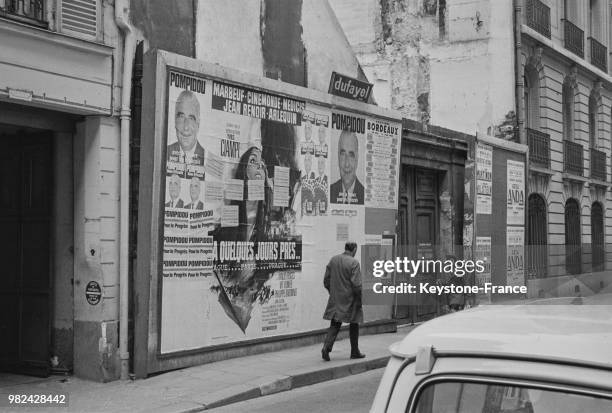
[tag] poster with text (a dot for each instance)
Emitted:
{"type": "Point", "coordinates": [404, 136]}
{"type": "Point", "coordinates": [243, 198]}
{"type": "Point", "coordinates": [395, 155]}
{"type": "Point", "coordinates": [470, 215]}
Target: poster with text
{"type": "Point", "coordinates": [347, 155]}
{"type": "Point", "coordinates": [483, 253]}
{"type": "Point", "coordinates": [232, 256]}
{"type": "Point", "coordinates": [260, 189]}
{"type": "Point", "coordinates": [516, 193]}
{"type": "Point", "coordinates": [484, 178]}
{"type": "Point", "coordinates": [314, 160]}
{"type": "Point", "coordinates": [515, 247]}
{"type": "Point", "coordinates": [383, 140]}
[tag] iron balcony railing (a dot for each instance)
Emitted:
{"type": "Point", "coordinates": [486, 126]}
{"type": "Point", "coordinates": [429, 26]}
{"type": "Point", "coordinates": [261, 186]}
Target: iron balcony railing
{"type": "Point", "coordinates": [574, 38]}
{"type": "Point", "coordinates": [599, 55]}
{"type": "Point", "coordinates": [538, 16]}
{"type": "Point", "coordinates": [598, 165]}
{"type": "Point", "coordinates": [573, 158]}
{"type": "Point", "coordinates": [27, 11]}
{"type": "Point", "coordinates": [539, 148]}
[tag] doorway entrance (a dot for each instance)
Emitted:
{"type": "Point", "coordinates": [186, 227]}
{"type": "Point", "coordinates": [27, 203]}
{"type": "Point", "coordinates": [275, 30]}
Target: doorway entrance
{"type": "Point", "coordinates": [25, 224]}
{"type": "Point", "coordinates": [418, 235]}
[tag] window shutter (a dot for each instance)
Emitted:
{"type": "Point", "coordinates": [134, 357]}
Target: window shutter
{"type": "Point", "coordinates": [80, 18]}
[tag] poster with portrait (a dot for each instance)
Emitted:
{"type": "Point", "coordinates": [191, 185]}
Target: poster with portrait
{"type": "Point", "coordinates": [383, 141]}
{"type": "Point", "coordinates": [516, 193]}
{"type": "Point", "coordinates": [515, 256]}
{"type": "Point", "coordinates": [314, 160]}
{"type": "Point", "coordinates": [347, 158]}
{"type": "Point", "coordinates": [484, 178]}
{"type": "Point", "coordinates": [232, 253]}
{"type": "Point", "coordinates": [186, 252]}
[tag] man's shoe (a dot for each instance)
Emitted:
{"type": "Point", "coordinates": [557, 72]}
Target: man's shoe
{"type": "Point", "coordinates": [358, 355]}
{"type": "Point", "coordinates": [325, 354]}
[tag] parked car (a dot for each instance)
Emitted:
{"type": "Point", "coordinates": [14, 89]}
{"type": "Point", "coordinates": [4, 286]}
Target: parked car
{"type": "Point", "coordinates": [504, 359]}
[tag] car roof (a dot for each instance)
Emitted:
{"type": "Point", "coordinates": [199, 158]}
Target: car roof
{"type": "Point", "coordinates": [576, 334]}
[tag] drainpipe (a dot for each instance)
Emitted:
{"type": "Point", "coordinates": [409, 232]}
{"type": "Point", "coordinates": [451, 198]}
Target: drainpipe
{"type": "Point", "coordinates": [122, 8]}
{"type": "Point", "coordinates": [520, 87]}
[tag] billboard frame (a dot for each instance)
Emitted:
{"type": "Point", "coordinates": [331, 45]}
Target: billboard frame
{"type": "Point", "coordinates": [148, 268]}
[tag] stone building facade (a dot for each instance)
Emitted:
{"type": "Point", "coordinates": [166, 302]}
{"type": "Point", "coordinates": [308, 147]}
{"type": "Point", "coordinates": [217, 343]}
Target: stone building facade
{"type": "Point", "coordinates": [61, 66]}
{"type": "Point", "coordinates": [474, 66]}
{"type": "Point", "coordinates": [565, 92]}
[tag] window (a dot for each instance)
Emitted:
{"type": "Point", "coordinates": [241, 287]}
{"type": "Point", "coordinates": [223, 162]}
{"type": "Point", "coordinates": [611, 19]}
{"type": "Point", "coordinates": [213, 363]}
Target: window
{"type": "Point", "coordinates": [430, 7]}
{"type": "Point", "coordinates": [573, 250]}
{"type": "Point", "coordinates": [436, 8]}
{"type": "Point", "coordinates": [26, 11]}
{"type": "Point", "coordinates": [593, 121]}
{"type": "Point", "coordinates": [597, 237]}
{"type": "Point", "coordinates": [571, 10]}
{"type": "Point", "coordinates": [594, 19]}
{"type": "Point", "coordinates": [480, 397]}
{"type": "Point", "coordinates": [532, 98]}
{"type": "Point", "coordinates": [568, 110]}
{"type": "Point", "coordinates": [80, 18]}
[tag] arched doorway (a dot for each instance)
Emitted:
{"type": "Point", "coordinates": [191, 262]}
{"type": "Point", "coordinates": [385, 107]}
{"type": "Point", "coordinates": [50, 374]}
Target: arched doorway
{"type": "Point", "coordinates": [537, 249]}
{"type": "Point", "coordinates": [573, 250]}
{"type": "Point", "coordinates": [597, 237]}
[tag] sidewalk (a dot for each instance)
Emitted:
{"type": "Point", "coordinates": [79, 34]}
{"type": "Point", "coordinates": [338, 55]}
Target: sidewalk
{"type": "Point", "coordinates": [212, 385]}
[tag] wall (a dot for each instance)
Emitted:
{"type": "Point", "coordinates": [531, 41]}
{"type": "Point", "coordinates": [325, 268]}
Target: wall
{"type": "Point", "coordinates": [302, 40]}
{"type": "Point", "coordinates": [96, 248]}
{"type": "Point", "coordinates": [459, 77]}
{"type": "Point", "coordinates": [507, 263]}
{"type": "Point", "coordinates": [166, 25]}
{"type": "Point", "coordinates": [63, 266]}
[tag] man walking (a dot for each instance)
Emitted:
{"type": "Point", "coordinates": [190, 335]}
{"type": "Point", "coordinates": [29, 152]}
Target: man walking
{"type": "Point", "coordinates": [343, 281]}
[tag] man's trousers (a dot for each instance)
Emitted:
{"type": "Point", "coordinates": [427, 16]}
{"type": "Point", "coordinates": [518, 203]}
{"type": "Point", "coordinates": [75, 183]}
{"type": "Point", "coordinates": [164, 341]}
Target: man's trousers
{"type": "Point", "coordinates": [332, 333]}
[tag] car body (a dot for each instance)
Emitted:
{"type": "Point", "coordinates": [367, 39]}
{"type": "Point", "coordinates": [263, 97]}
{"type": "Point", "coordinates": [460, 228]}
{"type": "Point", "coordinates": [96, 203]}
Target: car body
{"type": "Point", "coordinates": [504, 359]}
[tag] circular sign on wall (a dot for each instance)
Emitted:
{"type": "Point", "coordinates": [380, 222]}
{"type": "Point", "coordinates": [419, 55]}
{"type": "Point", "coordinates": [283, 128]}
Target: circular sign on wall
{"type": "Point", "coordinates": [93, 292]}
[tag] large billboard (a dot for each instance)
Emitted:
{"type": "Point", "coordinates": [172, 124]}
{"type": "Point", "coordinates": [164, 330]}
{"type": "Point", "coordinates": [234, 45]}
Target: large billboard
{"type": "Point", "coordinates": [254, 185]}
{"type": "Point", "coordinates": [244, 168]}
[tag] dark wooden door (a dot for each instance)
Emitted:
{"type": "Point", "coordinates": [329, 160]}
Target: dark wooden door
{"type": "Point", "coordinates": [419, 223]}
{"type": "Point", "coordinates": [25, 289]}
{"type": "Point", "coordinates": [426, 239]}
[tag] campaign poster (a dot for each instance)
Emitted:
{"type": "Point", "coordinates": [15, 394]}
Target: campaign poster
{"type": "Point", "coordinates": [314, 160]}
{"type": "Point", "coordinates": [484, 178]}
{"type": "Point", "coordinates": [347, 156]}
{"type": "Point", "coordinates": [516, 193]}
{"type": "Point", "coordinates": [515, 248]}
{"type": "Point", "coordinates": [383, 140]}
{"type": "Point", "coordinates": [232, 251]}
{"type": "Point", "coordinates": [483, 253]}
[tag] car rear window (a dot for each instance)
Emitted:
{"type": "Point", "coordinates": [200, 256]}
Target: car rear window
{"type": "Point", "coordinates": [470, 397]}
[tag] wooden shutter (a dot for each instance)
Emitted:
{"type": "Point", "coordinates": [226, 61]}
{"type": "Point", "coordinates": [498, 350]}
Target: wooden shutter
{"type": "Point", "coordinates": [80, 18]}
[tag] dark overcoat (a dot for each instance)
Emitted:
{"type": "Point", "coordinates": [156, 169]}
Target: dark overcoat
{"type": "Point", "coordinates": [343, 281]}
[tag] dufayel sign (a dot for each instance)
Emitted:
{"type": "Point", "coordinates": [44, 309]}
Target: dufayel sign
{"type": "Point", "coordinates": [350, 88]}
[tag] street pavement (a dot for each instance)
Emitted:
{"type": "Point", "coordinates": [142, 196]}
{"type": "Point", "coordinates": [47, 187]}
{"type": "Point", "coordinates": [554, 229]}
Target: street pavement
{"type": "Point", "coordinates": [351, 394]}
{"type": "Point", "coordinates": [209, 385]}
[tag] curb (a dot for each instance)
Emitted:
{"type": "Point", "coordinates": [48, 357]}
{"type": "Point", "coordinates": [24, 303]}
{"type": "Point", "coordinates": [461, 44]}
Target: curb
{"type": "Point", "coordinates": [285, 383]}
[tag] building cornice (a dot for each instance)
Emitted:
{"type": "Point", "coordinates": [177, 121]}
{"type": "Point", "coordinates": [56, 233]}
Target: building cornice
{"type": "Point", "coordinates": [564, 54]}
